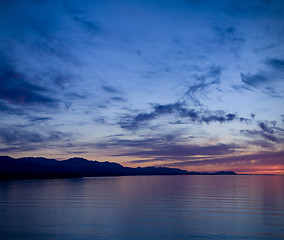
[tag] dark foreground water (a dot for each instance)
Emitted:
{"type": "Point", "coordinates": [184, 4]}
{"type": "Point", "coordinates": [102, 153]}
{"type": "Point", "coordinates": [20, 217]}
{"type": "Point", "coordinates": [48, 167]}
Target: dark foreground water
{"type": "Point", "coordinates": [143, 207]}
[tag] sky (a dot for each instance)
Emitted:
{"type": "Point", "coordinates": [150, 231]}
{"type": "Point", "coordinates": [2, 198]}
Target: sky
{"type": "Point", "coordinates": [195, 85]}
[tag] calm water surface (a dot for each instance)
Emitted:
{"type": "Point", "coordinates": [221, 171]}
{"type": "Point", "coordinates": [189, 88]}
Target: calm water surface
{"type": "Point", "coordinates": [143, 207]}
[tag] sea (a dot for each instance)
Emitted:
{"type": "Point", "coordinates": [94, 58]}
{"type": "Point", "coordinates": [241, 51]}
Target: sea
{"type": "Point", "coordinates": [143, 207]}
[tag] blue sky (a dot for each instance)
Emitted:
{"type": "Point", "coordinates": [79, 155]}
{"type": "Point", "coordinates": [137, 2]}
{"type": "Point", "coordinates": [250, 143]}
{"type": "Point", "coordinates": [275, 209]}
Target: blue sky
{"type": "Point", "coordinates": [191, 84]}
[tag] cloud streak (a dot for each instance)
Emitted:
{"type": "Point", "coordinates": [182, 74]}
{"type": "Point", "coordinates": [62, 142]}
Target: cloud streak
{"type": "Point", "coordinates": [15, 89]}
{"type": "Point", "coordinates": [182, 151]}
{"type": "Point", "coordinates": [179, 111]}
{"type": "Point", "coordinates": [267, 158]}
{"type": "Point", "coordinates": [268, 131]}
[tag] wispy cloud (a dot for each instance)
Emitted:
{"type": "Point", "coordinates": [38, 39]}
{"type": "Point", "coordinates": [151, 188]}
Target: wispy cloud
{"type": "Point", "coordinates": [110, 89]}
{"type": "Point", "coordinates": [263, 158]}
{"type": "Point", "coordinates": [268, 131]}
{"type": "Point", "coordinates": [181, 151]}
{"type": "Point", "coordinates": [15, 88]}
{"type": "Point", "coordinates": [16, 135]}
{"type": "Point", "coordinates": [180, 111]}
{"type": "Point", "coordinates": [254, 80]}
{"type": "Point", "coordinates": [278, 64]}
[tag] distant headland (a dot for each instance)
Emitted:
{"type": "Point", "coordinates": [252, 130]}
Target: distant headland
{"type": "Point", "coordinates": [44, 168]}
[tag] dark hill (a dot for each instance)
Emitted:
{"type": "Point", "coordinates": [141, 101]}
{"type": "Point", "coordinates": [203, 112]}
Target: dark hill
{"type": "Point", "coordinates": [29, 168]}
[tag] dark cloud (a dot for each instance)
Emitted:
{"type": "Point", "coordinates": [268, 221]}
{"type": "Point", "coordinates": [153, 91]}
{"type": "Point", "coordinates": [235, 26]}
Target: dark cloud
{"type": "Point", "coordinates": [15, 89]}
{"type": "Point", "coordinates": [10, 109]}
{"type": "Point", "coordinates": [214, 71]}
{"type": "Point", "coordinates": [166, 159]}
{"type": "Point", "coordinates": [134, 122]}
{"type": "Point", "coordinates": [265, 128]}
{"type": "Point", "coordinates": [100, 120]}
{"type": "Point", "coordinates": [118, 99]}
{"type": "Point", "coordinates": [157, 141]}
{"type": "Point", "coordinates": [268, 79]}
{"type": "Point", "coordinates": [278, 64]}
{"type": "Point", "coordinates": [268, 131]}
{"type": "Point", "coordinates": [143, 161]}
{"type": "Point", "coordinates": [253, 80]}
{"type": "Point", "coordinates": [18, 149]}
{"type": "Point", "coordinates": [204, 81]}
{"type": "Point", "coordinates": [245, 120]}
{"type": "Point", "coordinates": [36, 119]}
{"type": "Point", "coordinates": [266, 158]}
{"type": "Point", "coordinates": [110, 89]}
{"type": "Point", "coordinates": [23, 139]}
{"type": "Point", "coordinates": [261, 143]}
{"type": "Point", "coordinates": [118, 142]}
{"type": "Point", "coordinates": [179, 111]}
{"type": "Point", "coordinates": [174, 151]}
{"type": "Point", "coordinates": [17, 135]}
{"type": "Point", "coordinates": [272, 138]}
{"type": "Point", "coordinates": [201, 86]}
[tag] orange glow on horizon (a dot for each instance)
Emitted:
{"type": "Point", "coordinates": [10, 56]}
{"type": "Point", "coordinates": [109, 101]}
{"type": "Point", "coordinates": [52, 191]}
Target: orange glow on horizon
{"type": "Point", "coordinates": [239, 167]}
{"type": "Point", "coordinates": [271, 169]}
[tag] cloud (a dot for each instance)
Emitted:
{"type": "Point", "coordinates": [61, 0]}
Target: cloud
{"type": "Point", "coordinates": [15, 89]}
{"type": "Point", "coordinates": [268, 131]}
{"type": "Point", "coordinates": [265, 128]}
{"type": "Point", "coordinates": [180, 112]}
{"type": "Point", "coordinates": [18, 149]}
{"type": "Point", "coordinates": [278, 64]}
{"type": "Point", "coordinates": [110, 89]}
{"type": "Point", "coordinates": [269, 79]}
{"type": "Point", "coordinates": [191, 92]}
{"type": "Point", "coordinates": [118, 99]}
{"type": "Point", "coordinates": [6, 108]}
{"type": "Point", "coordinates": [253, 80]}
{"type": "Point", "coordinates": [214, 71]}
{"type": "Point", "coordinates": [168, 159]}
{"type": "Point", "coordinates": [261, 143]}
{"type": "Point", "coordinates": [203, 83]}
{"type": "Point", "coordinates": [266, 158]}
{"type": "Point", "coordinates": [17, 135]}
{"type": "Point", "coordinates": [156, 141]}
{"type": "Point", "coordinates": [36, 119]}
{"type": "Point", "coordinates": [31, 139]}
{"type": "Point", "coordinates": [174, 151]}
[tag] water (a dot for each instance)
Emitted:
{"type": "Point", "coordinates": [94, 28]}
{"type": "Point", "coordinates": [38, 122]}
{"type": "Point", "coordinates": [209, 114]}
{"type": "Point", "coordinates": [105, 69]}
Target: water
{"type": "Point", "coordinates": [143, 207]}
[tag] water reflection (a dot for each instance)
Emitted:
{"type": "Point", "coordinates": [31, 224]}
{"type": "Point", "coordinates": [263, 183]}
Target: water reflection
{"type": "Point", "coordinates": [144, 207]}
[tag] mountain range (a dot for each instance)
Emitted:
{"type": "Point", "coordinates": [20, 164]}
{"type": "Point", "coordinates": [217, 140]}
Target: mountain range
{"type": "Point", "coordinates": [42, 168]}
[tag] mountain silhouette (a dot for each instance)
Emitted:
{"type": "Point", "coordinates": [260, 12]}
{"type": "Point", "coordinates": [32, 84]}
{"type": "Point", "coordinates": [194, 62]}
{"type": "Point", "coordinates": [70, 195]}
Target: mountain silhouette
{"type": "Point", "coordinates": [33, 168]}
